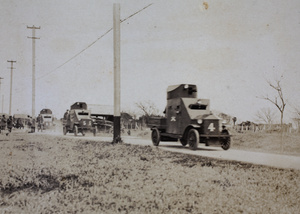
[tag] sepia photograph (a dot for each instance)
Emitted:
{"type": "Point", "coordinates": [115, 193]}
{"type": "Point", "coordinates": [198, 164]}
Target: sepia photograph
{"type": "Point", "coordinates": [140, 106]}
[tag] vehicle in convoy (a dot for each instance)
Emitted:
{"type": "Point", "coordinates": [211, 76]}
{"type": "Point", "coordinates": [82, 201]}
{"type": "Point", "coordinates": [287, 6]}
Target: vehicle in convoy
{"type": "Point", "coordinates": [45, 119]}
{"type": "Point", "coordinates": [79, 120]}
{"type": "Point", "coordinates": [103, 124]}
{"type": "Point", "coordinates": [188, 119]}
{"type": "Point", "coordinates": [102, 115]}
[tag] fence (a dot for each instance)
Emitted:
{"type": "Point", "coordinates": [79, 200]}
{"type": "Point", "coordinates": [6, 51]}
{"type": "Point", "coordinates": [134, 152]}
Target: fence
{"type": "Point", "coordinates": [287, 128]}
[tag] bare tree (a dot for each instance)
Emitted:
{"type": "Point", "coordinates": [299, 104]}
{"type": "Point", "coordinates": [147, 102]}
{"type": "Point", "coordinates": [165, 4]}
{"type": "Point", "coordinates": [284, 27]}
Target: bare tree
{"type": "Point", "coordinates": [297, 113]}
{"type": "Point", "coordinates": [265, 115]}
{"type": "Point", "coordinates": [297, 117]}
{"type": "Point", "coordinates": [148, 108]}
{"type": "Point", "coordinates": [278, 100]}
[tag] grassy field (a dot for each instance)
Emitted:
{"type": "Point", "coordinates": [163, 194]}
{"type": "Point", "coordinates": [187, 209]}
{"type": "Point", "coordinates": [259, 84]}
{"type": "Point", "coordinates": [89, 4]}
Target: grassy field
{"type": "Point", "coordinates": [48, 174]}
{"type": "Point", "coordinates": [288, 144]}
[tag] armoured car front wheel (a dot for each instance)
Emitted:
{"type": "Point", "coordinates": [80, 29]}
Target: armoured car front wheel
{"type": "Point", "coordinates": [155, 136]}
{"type": "Point", "coordinates": [226, 141]}
{"type": "Point", "coordinates": [75, 130]}
{"type": "Point", "coordinates": [193, 139]}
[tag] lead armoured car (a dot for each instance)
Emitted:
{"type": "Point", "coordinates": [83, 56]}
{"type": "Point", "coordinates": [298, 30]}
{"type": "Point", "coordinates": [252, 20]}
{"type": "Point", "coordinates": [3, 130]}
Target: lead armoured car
{"type": "Point", "coordinates": [188, 119]}
{"type": "Point", "coordinates": [79, 120]}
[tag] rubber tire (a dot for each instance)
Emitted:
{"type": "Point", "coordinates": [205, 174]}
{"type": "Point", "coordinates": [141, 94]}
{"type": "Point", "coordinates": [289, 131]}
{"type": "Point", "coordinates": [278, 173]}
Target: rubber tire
{"type": "Point", "coordinates": [65, 130]}
{"type": "Point", "coordinates": [183, 141]}
{"type": "Point", "coordinates": [193, 139]}
{"type": "Point", "coordinates": [75, 129]}
{"type": "Point", "coordinates": [227, 141]}
{"type": "Point", "coordinates": [155, 136]}
{"type": "Point", "coordinates": [83, 134]}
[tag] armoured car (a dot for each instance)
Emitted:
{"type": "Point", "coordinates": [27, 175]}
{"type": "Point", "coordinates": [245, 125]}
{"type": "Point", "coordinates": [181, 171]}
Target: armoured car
{"type": "Point", "coordinates": [45, 119]}
{"type": "Point", "coordinates": [189, 120]}
{"type": "Point", "coordinates": [79, 120]}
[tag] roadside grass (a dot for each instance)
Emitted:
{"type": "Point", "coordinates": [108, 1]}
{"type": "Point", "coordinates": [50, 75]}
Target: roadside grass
{"type": "Point", "coordinates": [47, 174]}
{"type": "Point", "coordinates": [267, 142]}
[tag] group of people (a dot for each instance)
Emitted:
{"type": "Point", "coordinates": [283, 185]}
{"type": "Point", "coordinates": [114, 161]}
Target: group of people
{"type": "Point", "coordinates": [6, 123]}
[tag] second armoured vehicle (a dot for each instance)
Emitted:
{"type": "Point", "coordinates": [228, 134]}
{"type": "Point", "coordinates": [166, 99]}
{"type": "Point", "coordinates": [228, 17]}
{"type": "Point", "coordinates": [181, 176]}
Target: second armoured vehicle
{"type": "Point", "coordinates": [79, 120]}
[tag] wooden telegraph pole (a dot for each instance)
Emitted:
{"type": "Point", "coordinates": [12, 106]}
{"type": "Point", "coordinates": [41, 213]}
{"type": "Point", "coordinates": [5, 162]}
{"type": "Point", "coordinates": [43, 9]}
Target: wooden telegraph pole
{"type": "Point", "coordinates": [11, 80]}
{"type": "Point", "coordinates": [117, 114]}
{"type": "Point", "coordinates": [0, 92]}
{"type": "Point", "coordinates": [33, 67]}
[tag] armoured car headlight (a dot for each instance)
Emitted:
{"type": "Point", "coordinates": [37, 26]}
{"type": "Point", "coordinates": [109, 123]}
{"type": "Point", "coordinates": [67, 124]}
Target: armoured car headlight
{"type": "Point", "coordinates": [186, 86]}
{"type": "Point", "coordinates": [199, 121]}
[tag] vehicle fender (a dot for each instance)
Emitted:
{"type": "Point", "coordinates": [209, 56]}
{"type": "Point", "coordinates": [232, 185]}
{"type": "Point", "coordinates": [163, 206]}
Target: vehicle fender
{"type": "Point", "coordinates": [191, 126]}
{"type": "Point", "coordinates": [229, 133]}
{"type": "Point", "coordinates": [194, 126]}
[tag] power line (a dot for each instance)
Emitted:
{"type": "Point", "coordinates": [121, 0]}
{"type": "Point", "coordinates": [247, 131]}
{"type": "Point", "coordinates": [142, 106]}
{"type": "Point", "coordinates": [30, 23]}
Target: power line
{"type": "Point", "coordinates": [93, 42]}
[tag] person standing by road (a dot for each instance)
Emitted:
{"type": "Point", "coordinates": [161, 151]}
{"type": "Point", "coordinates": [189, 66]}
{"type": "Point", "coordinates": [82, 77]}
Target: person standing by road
{"type": "Point", "coordinates": [66, 114]}
{"type": "Point", "coordinates": [9, 124]}
{"type": "Point", "coordinates": [40, 122]}
{"type": "Point", "coordinates": [32, 126]}
{"type": "Point", "coordinates": [3, 123]}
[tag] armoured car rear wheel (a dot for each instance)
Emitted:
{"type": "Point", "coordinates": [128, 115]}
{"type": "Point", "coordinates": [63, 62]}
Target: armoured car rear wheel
{"type": "Point", "coordinates": [75, 130]}
{"type": "Point", "coordinates": [226, 141]}
{"type": "Point", "coordinates": [193, 139]}
{"type": "Point", "coordinates": [155, 136]}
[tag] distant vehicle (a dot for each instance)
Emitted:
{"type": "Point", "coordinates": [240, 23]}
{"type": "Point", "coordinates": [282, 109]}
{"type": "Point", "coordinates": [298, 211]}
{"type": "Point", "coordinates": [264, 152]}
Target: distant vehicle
{"type": "Point", "coordinates": [102, 115]}
{"type": "Point", "coordinates": [103, 125]}
{"type": "Point", "coordinates": [45, 119]}
{"type": "Point", "coordinates": [188, 119]}
{"type": "Point", "coordinates": [79, 120]}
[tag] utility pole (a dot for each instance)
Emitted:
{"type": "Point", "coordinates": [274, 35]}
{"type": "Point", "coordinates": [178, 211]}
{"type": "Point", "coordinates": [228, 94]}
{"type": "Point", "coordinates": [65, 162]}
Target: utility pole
{"type": "Point", "coordinates": [0, 93]}
{"type": "Point", "coordinates": [33, 67]}
{"type": "Point", "coordinates": [11, 80]}
{"type": "Point", "coordinates": [117, 114]}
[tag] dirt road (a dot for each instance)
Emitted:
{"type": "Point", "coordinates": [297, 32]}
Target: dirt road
{"type": "Point", "coordinates": [273, 160]}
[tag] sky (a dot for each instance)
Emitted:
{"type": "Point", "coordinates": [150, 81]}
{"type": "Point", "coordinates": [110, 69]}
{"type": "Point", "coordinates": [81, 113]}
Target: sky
{"type": "Point", "coordinates": [229, 49]}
